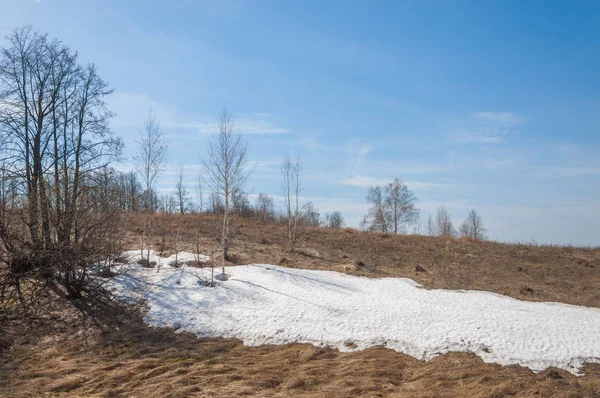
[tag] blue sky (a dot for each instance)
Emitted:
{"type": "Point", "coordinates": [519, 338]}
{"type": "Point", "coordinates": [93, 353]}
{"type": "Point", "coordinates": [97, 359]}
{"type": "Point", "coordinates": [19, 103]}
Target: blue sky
{"type": "Point", "coordinates": [486, 105]}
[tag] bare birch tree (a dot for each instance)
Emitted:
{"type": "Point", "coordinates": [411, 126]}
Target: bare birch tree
{"type": "Point", "coordinates": [363, 225]}
{"type": "Point", "coordinates": [444, 224]}
{"type": "Point", "coordinates": [473, 227]}
{"type": "Point", "coordinates": [309, 216]}
{"type": "Point", "coordinates": [265, 207]}
{"type": "Point", "coordinates": [430, 228]}
{"type": "Point", "coordinates": [378, 216]}
{"type": "Point", "coordinates": [291, 171]}
{"type": "Point", "coordinates": [334, 220]}
{"type": "Point", "coordinates": [150, 162]}
{"type": "Point", "coordinates": [418, 226]}
{"type": "Point", "coordinates": [181, 191]}
{"type": "Point", "coordinates": [226, 172]}
{"type": "Point", "coordinates": [200, 193]}
{"type": "Point", "coordinates": [392, 207]}
{"type": "Point", "coordinates": [400, 204]}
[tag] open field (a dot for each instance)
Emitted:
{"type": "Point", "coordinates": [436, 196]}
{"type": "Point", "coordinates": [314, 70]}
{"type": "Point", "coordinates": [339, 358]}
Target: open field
{"type": "Point", "coordinates": [108, 350]}
{"type": "Point", "coordinates": [527, 272]}
{"type": "Point", "coordinates": [116, 355]}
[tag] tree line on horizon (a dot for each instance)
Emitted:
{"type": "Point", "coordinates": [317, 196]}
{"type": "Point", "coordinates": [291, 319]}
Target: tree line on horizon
{"type": "Point", "coordinates": [392, 206]}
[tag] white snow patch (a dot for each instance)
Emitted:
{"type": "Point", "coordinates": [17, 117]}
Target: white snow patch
{"type": "Point", "coordinates": [266, 304]}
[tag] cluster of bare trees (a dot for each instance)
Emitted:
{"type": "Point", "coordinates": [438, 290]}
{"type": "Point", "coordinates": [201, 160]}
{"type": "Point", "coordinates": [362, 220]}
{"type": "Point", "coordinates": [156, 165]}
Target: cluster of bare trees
{"type": "Point", "coordinates": [442, 225]}
{"type": "Point", "coordinates": [55, 145]}
{"type": "Point", "coordinates": [226, 175]}
{"type": "Point", "coordinates": [473, 227]}
{"type": "Point", "coordinates": [334, 220]}
{"type": "Point", "coordinates": [296, 215]}
{"type": "Point", "coordinates": [265, 208]}
{"type": "Point", "coordinates": [392, 208]}
{"type": "Point", "coordinates": [125, 192]}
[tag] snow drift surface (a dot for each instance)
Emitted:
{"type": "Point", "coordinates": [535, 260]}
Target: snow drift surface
{"type": "Point", "coordinates": [266, 304]}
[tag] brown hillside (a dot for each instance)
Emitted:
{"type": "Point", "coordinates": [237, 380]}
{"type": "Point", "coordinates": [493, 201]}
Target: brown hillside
{"type": "Point", "coordinates": [527, 272]}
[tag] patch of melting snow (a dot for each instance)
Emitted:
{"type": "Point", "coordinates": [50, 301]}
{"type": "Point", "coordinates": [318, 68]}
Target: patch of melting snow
{"type": "Point", "coordinates": [267, 304]}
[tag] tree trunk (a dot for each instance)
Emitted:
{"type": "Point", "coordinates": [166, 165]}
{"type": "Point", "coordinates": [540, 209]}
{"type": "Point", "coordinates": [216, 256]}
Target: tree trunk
{"type": "Point", "coordinates": [225, 238]}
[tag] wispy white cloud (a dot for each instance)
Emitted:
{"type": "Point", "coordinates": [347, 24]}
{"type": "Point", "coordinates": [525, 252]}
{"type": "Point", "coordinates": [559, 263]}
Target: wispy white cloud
{"type": "Point", "coordinates": [428, 186]}
{"type": "Point", "coordinates": [568, 171]}
{"type": "Point", "coordinates": [363, 181]}
{"type": "Point", "coordinates": [497, 164]}
{"type": "Point", "coordinates": [474, 136]}
{"type": "Point", "coordinates": [256, 123]}
{"type": "Point", "coordinates": [508, 119]}
{"type": "Point", "coordinates": [265, 165]}
{"type": "Point", "coordinates": [189, 170]}
{"type": "Point", "coordinates": [487, 127]}
{"type": "Point", "coordinates": [356, 153]}
{"type": "Point", "coordinates": [131, 109]}
{"type": "Point", "coordinates": [438, 165]}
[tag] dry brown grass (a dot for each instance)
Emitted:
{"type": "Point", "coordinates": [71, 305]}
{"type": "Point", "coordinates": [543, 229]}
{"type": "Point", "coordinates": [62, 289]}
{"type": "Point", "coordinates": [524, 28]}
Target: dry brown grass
{"type": "Point", "coordinates": [108, 351]}
{"type": "Point", "coordinates": [119, 356]}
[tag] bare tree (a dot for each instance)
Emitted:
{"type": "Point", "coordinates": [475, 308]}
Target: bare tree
{"type": "Point", "coordinates": [215, 204]}
{"type": "Point", "coordinates": [392, 207]}
{"type": "Point", "coordinates": [132, 192]}
{"type": "Point", "coordinates": [310, 216]}
{"type": "Point", "coordinates": [364, 225]}
{"type": "Point", "coordinates": [378, 215]}
{"type": "Point", "coordinates": [431, 227]}
{"type": "Point", "coordinates": [473, 227]}
{"type": "Point", "coordinates": [290, 171]}
{"type": "Point", "coordinates": [150, 162]}
{"type": "Point", "coordinates": [241, 204]}
{"type": "Point", "coordinates": [334, 220]}
{"type": "Point", "coordinates": [444, 224]}
{"type": "Point", "coordinates": [226, 172]}
{"type": "Point", "coordinates": [181, 191]}
{"type": "Point", "coordinates": [169, 204]}
{"type": "Point", "coordinates": [418, 226]}
{"type": "Point", "coordinates": [400, 204]}
{"type": "Point", "coordinates": [200, 193]}
{"type": "Point", "coordinates": [265, 207]}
